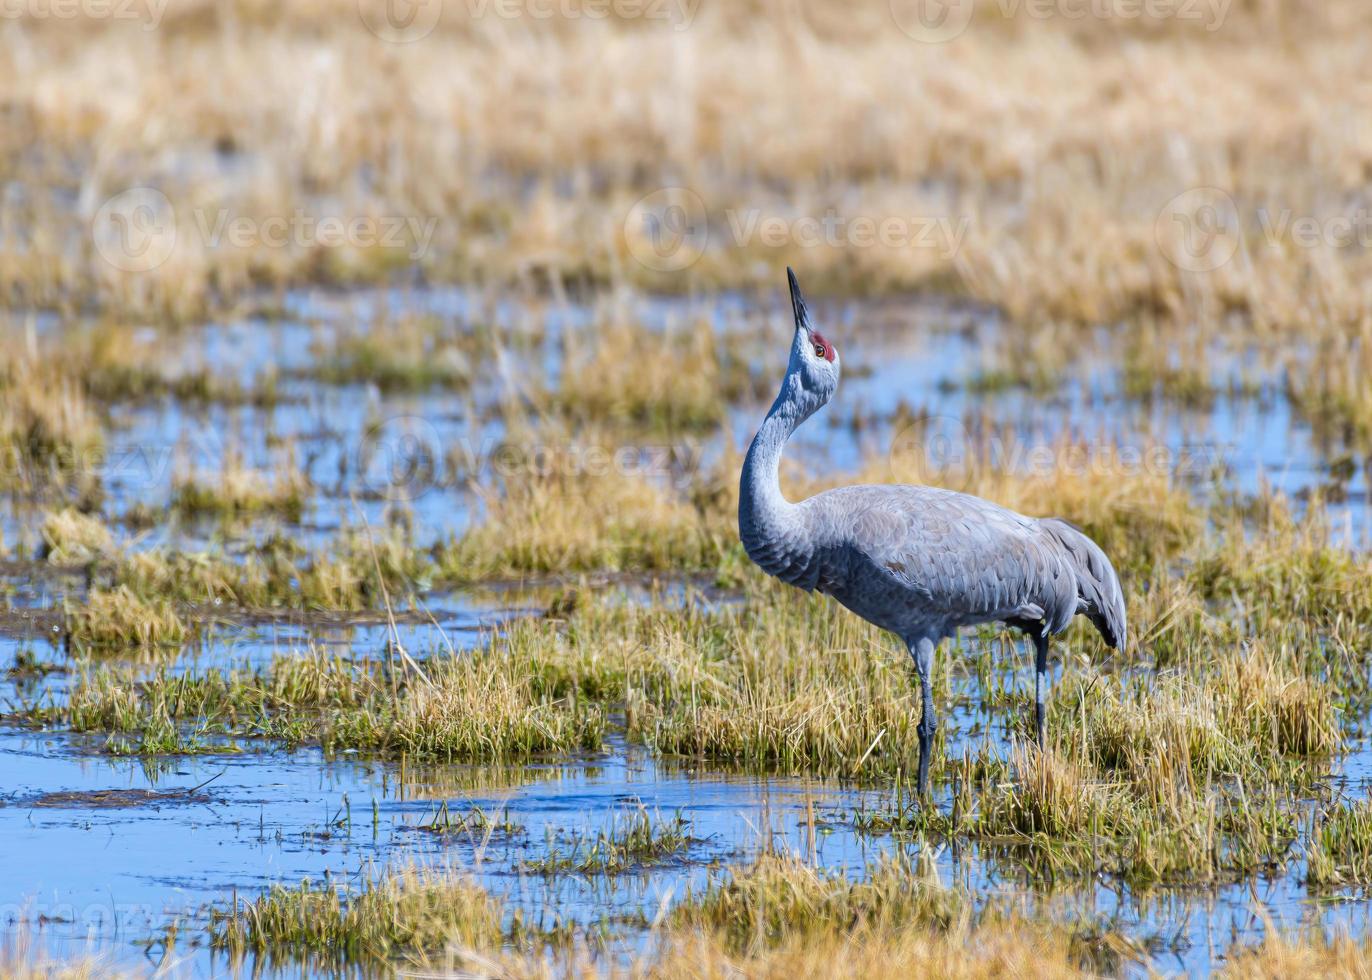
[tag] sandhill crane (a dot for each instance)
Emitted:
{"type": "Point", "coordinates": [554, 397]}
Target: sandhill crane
{"type": "Point", "coordinates": [918, 561]}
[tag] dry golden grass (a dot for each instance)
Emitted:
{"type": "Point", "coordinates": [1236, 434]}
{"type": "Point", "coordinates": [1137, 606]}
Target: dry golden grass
{"type": "Point", "coordinates": [23, 957]}
{"type": "Point", "coordinates": [1340, 850]}
{"type": "Point", "coordinates": [404, 354]}
{"type": "Point", "coordinates": [809, 924]}
{"type": "Point", "coordinates": [1055, 146]}
{"type": "Point", "coordinates": [118, 619]}
{"type": "Point", "coordinates": [72, 538]}
{"type": "Point", "coordinates": [233, 489]}
{"type": "Point", "coordinates": [49, 431]}
{"type": "Point", "coordinates": [1335, 957]}
{"type": "Point", "coordinates": [1014, 948]}
{"type": "Point", "coordinates": [407, 912]}
{"type": "Point", "coordinates": [481, 708]}
{"type": "Point", "coordinates": [780, 898]}
{"type": "Point", "coordinates": [567, 502]}
{"type": "Point", "coordinates": [1060, 139]}
{"type": "Point", "coordinates": [679, 379]}
{"type": "Point", "coordinates": [586, 503]}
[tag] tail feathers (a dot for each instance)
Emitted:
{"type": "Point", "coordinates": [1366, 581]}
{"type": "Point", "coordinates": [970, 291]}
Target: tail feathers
{"type": "Point", "coordinates": [1099, 595]}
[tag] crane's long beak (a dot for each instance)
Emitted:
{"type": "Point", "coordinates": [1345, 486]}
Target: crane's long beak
{"type": "Point", "coordinates": [798, 303]}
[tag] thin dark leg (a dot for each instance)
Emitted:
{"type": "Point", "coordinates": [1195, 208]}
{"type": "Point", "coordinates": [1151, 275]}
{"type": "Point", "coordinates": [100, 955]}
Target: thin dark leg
{"type": "Point", "coordinates": [1041, 685]}
{"type": "Point", "coordinates": [923, 653]}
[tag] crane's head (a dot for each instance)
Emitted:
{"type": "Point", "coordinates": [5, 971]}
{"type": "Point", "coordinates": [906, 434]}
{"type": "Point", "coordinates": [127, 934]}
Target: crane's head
{"type": "Point", "coordinates": [814, 360]}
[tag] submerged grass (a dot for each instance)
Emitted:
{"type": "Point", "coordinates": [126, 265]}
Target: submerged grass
{"type": "Point", "coordinates": [234, 490]}
{"type": "Point", "coordinates": [631, 842]}
{"type": "Point", "coordinates": [405, 354]}
{"type": "Point", "coordinates": [778, 915]}
{"type": "Point", "coordinates": [1335, 955]}
{"type": "Point", "coordinates": [1340, 851]}
{"type": "Point", "coordinates": [680, 379]}
{"type": "Point", "coordinates": [475, 824]}
{"type": "Point", "coordinates": [1137, 752]}
{"type": "Point", "coordinates": [73, 538]}
{"type": "Point", "coordinates": [469, 708]}
{"type": "Point", "coordinates": [777, 918]}
{"type": "Point", "coordinates": [49, 431]}
{"type": "Point", "coordinates": [783, 918]}
{"type": "Point", "coordinates": [356, 571]}
{"type": "Point", "coordinates": [403, 913]}
{"type": "Point", "coordinates": [119, 619]}
{"type": "Point", "coordinates": [23, 956]}
{"type": "Point", "coordinates": [781, 898]}
{"type": "Point", "coordinates": [115, 361]}
{"type": "Point", "coordinates": [606, 518]}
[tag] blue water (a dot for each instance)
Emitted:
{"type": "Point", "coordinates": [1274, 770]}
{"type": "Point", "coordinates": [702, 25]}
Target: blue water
{"type": "Point", "coordinates": [112, 879]}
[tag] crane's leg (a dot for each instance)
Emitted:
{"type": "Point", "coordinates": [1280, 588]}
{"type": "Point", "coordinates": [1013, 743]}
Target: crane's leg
{"type": "Point", "coordinates": [1041, 685]}
{"type": "Point", "coordinates": [922, 650]}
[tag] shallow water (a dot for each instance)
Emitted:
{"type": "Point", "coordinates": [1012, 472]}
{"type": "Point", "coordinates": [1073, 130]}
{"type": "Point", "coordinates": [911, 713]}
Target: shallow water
{"type": "Point", "coordinates": [367, 452]}
{"type": "Point", "coordinates": [112, 878]}
{"type": "Point", "coordinates": [83, 875]}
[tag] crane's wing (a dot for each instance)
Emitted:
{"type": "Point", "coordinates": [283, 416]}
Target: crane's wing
{"type": "Point", "coordinates": [964, 557]}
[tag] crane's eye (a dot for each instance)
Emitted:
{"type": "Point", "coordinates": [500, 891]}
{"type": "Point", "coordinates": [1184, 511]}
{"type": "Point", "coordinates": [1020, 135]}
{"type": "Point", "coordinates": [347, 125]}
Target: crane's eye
{"type": "Point", "coordinates": [819, 350]}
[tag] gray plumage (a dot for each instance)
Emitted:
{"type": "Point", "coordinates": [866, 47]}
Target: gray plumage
{"type": "Point", "coordinates": [918, 561]}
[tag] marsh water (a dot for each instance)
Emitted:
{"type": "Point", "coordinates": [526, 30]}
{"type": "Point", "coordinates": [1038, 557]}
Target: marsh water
{"type": "Point", "coordinates": [125, 855]}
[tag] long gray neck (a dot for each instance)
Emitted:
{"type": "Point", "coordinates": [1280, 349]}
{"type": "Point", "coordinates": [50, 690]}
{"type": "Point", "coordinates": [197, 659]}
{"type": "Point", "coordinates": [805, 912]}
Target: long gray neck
{"type": "Point", "coordinates": [769, 525]}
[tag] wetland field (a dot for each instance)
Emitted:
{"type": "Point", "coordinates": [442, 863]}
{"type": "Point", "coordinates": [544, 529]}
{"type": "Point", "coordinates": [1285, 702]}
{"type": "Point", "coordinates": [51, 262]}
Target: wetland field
{"type": "Point", "coordinates": [374, 386]}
